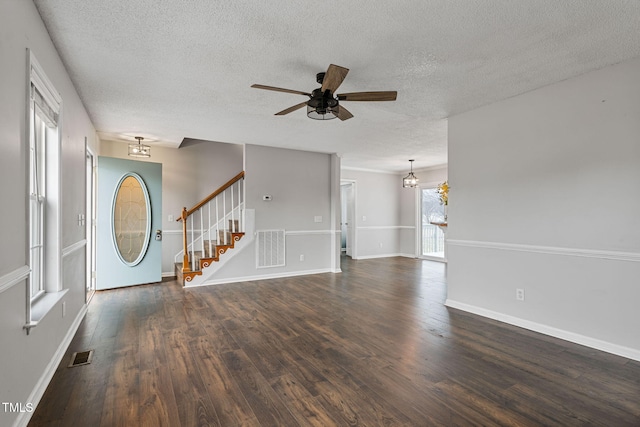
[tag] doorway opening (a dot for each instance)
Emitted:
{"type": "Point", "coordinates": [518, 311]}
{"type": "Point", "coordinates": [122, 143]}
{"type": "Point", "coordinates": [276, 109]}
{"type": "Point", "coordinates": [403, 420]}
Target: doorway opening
{"type": "Point", "coordinates": [432, 238]}
{"type": "Point", "coordinates": [347, 218]}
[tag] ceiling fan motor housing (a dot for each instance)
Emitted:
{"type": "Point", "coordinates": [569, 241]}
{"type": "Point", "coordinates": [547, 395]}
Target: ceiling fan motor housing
{"type": "Point", "coordinates": [322, 102]}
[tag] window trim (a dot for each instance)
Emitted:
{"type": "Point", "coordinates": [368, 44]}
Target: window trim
{"type": "Point", "coordinates": [38, 305]}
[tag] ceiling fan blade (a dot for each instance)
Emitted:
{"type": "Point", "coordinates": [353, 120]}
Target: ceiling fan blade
{"type": "Point", "coordinates": [290, 109]}
{"type": "Point", "coordinates": [368, 96]}
{"type": "Point", "coordinates": [279, 89]}
{"type": "Point", "coordinates": [343, 114]}
{"type": "Point", "coordinates": [333, 77]}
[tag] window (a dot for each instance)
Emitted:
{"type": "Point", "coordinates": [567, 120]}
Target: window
{"type": "Point", "coordinates": [44, 110]}
{"type": "Point", "coordinates": [37, 199]}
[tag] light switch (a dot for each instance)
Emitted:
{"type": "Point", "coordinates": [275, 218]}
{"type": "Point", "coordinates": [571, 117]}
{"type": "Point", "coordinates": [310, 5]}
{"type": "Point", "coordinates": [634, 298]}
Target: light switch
{"type": "Point", "coordinates": [317, 218]}
{"type": "Point", "coordinates": [170, 218]}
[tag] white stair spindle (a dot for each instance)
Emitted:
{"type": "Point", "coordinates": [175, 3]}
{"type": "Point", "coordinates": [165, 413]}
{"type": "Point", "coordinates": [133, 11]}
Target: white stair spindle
{"type": "Point", "coordinates": [224, 212]}
{"type": "Point", "coordinates": [193, 255]}
{"type": "Point", "coordinates": [217, 224]}
{"type": "Point", "coordinates": [240, 206]}
{"type": "Point", "coordinates": [232, 224]}
{"type": "Point", "coordinates": [209, 229]}
{"type": "Point", "coordinates": [238, 213]}
{"type": "Point", "coordinates": [201, 211]}
{"type": "Point", "coordinates": [244, 193]}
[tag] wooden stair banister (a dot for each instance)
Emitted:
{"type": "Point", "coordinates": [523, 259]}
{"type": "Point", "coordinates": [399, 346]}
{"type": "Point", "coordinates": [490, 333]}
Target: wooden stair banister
{"type": "Point", "coordinates": [214, 194]}
{"type": "Point", "coordinates": [189, 266]}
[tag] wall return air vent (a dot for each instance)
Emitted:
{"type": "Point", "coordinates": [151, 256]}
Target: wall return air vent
{"type": "Point", "coordinates": [270, 248]}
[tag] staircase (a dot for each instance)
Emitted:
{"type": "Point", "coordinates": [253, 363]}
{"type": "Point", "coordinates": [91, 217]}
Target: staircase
{"type": "Point", "coordinates": [210, 229]}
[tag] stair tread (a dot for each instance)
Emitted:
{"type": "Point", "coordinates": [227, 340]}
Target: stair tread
{"type": "Point", "coordinates": [204, 256]}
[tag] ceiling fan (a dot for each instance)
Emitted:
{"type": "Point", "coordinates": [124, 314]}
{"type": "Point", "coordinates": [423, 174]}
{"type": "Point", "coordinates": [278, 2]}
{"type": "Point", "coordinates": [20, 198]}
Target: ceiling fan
{"type": "Point", "coordinates": [324, 103]}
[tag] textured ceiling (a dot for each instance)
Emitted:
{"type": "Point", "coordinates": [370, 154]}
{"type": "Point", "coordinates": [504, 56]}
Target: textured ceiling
{"type": "Point", "coordinates": [169, 70]}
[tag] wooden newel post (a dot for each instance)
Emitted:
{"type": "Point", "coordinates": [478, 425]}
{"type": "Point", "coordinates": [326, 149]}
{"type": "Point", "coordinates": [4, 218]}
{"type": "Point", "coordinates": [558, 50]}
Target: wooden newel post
{"type": "Point", "coordinates": [186, 266]}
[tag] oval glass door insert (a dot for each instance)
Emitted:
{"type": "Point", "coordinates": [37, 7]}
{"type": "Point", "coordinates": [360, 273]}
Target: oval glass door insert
{"type": "Point", "coordinates": [131, 219]}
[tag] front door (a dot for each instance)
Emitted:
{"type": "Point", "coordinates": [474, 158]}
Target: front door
{"type": "Point", "coordinates": [129, 223]}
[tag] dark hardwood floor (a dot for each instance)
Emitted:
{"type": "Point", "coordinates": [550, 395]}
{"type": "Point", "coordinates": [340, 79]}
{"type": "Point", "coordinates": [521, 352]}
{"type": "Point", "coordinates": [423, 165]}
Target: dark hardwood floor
{"type": "Point", "coordinates": [371, 346]}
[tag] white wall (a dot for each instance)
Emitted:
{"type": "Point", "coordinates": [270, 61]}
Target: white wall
{"type": "Point", "coordinates": [28, 362]}
{"type": "Point", "coordinates": [390, 211]}
{"type": "Point", "coordinates": [189, 174]}
{"type": "Point", "coordinates": [300, 184]}
{"type": "Point", "coordinates": [377, 214]}
{"type": "Point", "coordinates": [544, 197]}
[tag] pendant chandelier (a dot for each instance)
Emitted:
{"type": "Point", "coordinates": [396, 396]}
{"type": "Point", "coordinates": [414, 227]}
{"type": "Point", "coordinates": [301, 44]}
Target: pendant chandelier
{"type": "Point", "coordinates": [410, 181]}
{"type": "Point", "coordinates": [139, 149]}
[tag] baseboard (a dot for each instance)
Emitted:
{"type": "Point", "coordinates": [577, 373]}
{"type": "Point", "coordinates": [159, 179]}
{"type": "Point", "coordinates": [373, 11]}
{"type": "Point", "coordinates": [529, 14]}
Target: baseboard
{"type": "Point", "coordinates": [168, 274]}
{"type": "Point", "coordinates": [41, 386]}
{"type": "Point", "coordinates": [385, 256]}
{"type": "Point", "coordinates": [408, 256]}
{"type": "Point", "coordinates": [263, 277]}
{"type": "Point", "coordinates": [586, 341]}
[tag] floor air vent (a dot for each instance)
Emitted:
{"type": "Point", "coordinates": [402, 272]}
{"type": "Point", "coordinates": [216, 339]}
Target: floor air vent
{"type": "Point", "coordinates": [81, 358]}
{"type": "Point", "coordinates": [270, 248]}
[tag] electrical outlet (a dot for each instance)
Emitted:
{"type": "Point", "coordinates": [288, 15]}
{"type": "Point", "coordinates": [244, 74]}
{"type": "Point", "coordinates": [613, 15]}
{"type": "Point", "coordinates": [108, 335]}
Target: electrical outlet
{"type": "Point", "coordinates": [380, 244]}
{"type": "Point", "coordinates": [301, 257]}
{"type": "Point", "coordinates": [317, 218]}
{"type": "Point", "coordinates": [520, 294]}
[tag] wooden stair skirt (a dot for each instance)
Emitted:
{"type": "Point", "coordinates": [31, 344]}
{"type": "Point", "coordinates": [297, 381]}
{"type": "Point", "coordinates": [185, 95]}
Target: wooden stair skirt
{"type": "Point", "coordinates": [213, 250]}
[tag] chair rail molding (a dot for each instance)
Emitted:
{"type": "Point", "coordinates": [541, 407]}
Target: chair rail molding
{"type": "Point", "coordinates": [386, 227]}
{"type": "Point", "coordinates": [73, 247]}
{"type": "Point", "coordinates": [14, 277]}
{"type": "Point", "coordinates": [309, 232]}
{"type": "Point", "coordinates": [551, 250]}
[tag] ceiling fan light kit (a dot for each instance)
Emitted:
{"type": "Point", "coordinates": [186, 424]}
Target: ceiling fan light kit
{"type": "Point", "coordinates": [323, 103]}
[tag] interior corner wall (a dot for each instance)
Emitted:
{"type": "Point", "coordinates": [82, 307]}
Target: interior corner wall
{"type": "Point", "coordinates": [189, 174]}
{"type": "Point", "coordinates": [300, 186]}
{"type": "Point", "coordinates": [27, 362]}
{"type": "Point", "coordinates": [377, 214]}
{"type": "Point", "coordinates": [544, 197]}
